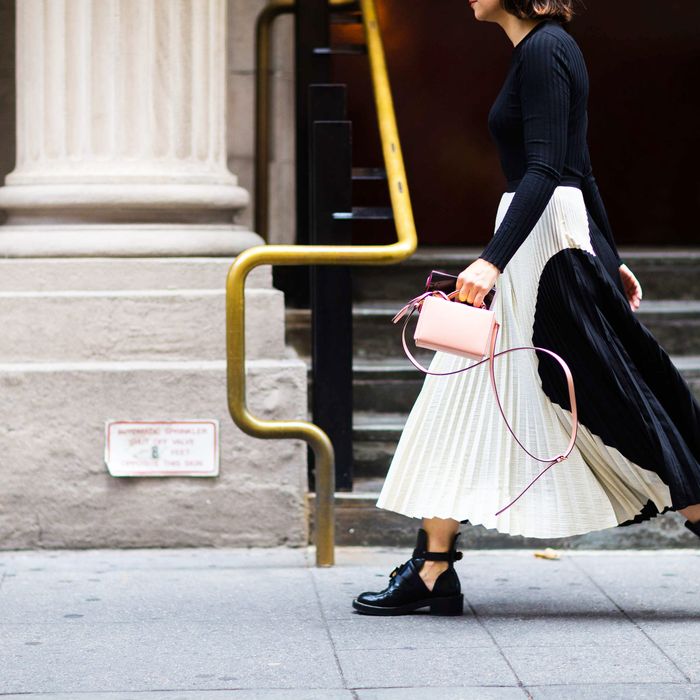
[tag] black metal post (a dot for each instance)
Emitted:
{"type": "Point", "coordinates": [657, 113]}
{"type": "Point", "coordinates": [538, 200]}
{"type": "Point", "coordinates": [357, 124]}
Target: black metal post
{"type": "Point", "coordinates": [311, 30]}
{"type": "Point", "coordinates": [331, 286]}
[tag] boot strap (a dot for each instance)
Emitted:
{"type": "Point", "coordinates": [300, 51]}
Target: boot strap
{"type": "Point", "coordinates": [437, 556]}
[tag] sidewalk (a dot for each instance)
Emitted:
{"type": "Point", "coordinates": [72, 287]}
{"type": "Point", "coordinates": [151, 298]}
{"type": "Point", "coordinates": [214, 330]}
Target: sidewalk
{"type": "Point", "coordinates": [266, 623]}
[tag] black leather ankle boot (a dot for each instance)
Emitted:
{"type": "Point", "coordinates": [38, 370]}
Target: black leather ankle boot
{"type": "Point", "coordinates": [407, 592]}
{"type": "Point", "coordinates": [693, 527]}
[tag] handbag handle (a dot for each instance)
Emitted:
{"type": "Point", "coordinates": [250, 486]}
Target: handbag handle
{"type": "Point", "coordinates": [415, 303]}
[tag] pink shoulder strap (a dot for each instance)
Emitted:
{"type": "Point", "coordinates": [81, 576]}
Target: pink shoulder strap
{"type": "Point", "coordinates": [415, 303]}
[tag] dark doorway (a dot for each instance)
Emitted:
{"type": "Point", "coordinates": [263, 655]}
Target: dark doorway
{"type": "Point", "coordinates": [446, 68]}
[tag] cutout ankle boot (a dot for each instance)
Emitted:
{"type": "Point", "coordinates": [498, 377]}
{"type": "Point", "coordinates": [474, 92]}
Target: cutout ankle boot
{"type": "Point", "coordinates": [407, 591]}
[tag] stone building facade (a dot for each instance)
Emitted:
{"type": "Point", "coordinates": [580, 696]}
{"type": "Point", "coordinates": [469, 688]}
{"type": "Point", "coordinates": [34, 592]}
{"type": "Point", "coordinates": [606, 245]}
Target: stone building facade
{"type": "Point", "coordinates": [126, 147]}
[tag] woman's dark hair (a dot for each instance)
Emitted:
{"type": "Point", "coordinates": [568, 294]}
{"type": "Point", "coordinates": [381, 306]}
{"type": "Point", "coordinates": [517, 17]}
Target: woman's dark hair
{"type": "Point", "coordinates": [563, 10]}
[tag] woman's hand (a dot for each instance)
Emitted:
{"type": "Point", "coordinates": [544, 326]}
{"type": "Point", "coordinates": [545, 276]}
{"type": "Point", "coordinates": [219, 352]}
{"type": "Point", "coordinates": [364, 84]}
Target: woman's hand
{"type": "Point", "coordinates": [633, 290]}
{"type": "Point", "coordinates": [475, 281]}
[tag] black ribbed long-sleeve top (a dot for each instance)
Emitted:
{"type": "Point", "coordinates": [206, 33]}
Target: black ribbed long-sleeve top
{"type": "Point", "coordinates": [539, 122]}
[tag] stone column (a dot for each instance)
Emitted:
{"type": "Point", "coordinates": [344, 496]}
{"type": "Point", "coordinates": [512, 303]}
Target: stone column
{"type": "Point", "coordinates": [121, 145]}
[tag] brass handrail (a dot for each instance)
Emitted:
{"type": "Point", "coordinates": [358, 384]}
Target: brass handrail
{"type": "Point", "coordinates": [326, 255]}
{"type": "Point", "coordinates": [263, 26]}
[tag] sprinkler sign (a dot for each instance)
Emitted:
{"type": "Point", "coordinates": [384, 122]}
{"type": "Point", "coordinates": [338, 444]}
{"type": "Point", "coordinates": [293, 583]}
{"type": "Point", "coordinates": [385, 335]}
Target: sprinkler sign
{"type": "Point", "coordinates": [162, 448]}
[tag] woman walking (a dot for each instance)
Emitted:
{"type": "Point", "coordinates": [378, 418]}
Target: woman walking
{"type": "Point", "coordinates": [561, 285]}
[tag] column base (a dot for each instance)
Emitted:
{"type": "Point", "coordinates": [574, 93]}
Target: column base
{"type": "Point", "coordinates": [125, 240]}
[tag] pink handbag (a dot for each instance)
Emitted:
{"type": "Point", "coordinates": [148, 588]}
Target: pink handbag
{"type": "Point", "coordinates": [464, 330]}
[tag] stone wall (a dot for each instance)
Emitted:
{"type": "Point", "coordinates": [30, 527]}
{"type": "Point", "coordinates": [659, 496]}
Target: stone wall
{"type": "Point", "coordinates": [98, 324]}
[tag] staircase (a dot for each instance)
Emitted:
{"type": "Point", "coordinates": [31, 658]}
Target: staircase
{"type": "Point", "coordinates": [385, 385]}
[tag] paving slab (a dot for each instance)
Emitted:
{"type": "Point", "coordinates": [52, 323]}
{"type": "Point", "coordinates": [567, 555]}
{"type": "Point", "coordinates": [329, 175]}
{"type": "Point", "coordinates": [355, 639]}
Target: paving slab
{"type": "Point", "coordinates": [559, 664]}
{"type": "Point", "coordinates": [687, 659]}
{"type": "Point", "coordinates": [79, 657]}
{"type": "Point", "coordinates": [410, 667]}
{"type": "Point", "coordinates": [616, 691]}
{"type": "Point", "coordinates": [236, 694]}
{"type": "Point", "coordinates": [410, 632]}
{"type": "Point", "coordinates": [452, 692]}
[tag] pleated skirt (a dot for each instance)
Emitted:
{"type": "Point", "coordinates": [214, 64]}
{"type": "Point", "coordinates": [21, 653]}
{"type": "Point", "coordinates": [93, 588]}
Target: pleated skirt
{"type": "Point", "coordinates": [637, 454]}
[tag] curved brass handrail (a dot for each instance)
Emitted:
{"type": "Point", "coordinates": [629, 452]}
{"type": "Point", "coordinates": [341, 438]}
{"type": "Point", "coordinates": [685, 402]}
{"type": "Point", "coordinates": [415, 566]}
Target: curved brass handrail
{"type": "Point", "coordinates": [325, 255]}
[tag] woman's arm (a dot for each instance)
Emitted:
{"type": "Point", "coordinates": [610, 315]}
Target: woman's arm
{"type": "Point", "coordinates": [545, 87]}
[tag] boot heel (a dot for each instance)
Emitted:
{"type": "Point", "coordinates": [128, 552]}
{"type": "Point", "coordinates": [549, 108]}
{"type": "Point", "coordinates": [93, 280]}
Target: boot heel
{"type": "Point", "coordinates": [454, 605]}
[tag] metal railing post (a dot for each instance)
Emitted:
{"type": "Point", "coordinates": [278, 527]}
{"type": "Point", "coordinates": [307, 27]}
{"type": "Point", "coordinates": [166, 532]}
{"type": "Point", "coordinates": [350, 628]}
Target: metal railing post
{"type": "Point", "coordinates": [321, 255]}
{"type": "Point", "coordinates": [331, 289]}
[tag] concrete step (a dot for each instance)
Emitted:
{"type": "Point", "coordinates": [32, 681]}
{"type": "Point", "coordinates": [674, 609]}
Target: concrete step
{"type": "Point", "coordinates": [359, 522]}
{"type": "Point", "coordinates": [382, 386]}
{"type": "Point", "coordinates": [674, 323]}
{"type": "Point", "coordinates": [94, 274]}
{"type": "Point", "coordinates": [664, 273]}
{"type": "Point", "coordinates": [375, 436]}
{"type": "Point", "coordinates": [134, 324]}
